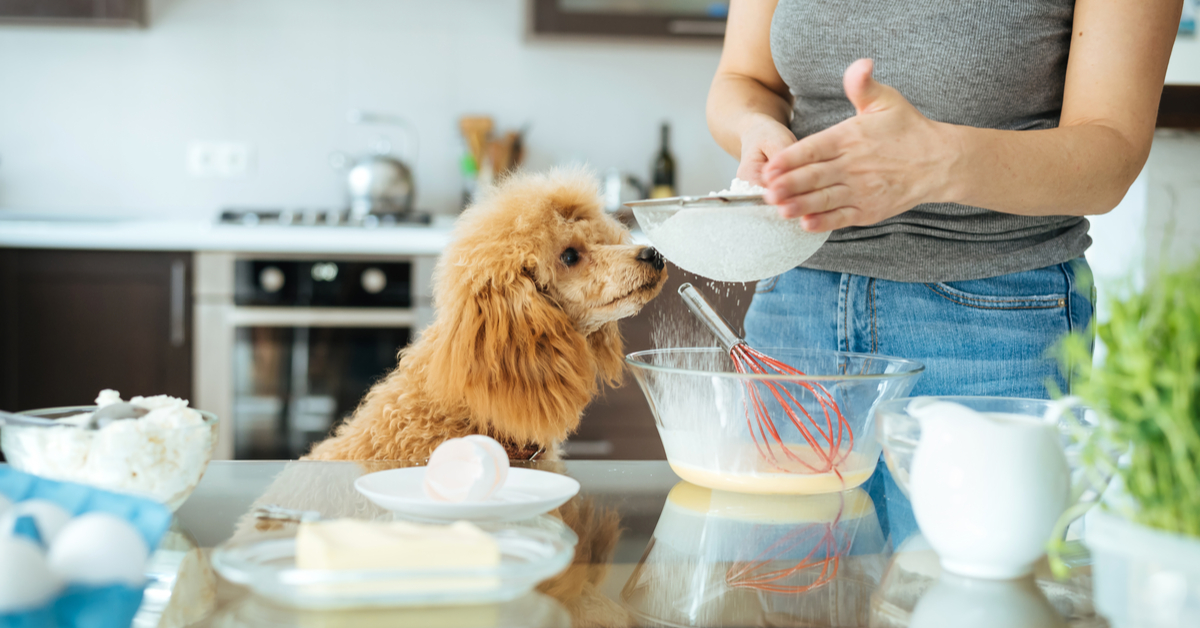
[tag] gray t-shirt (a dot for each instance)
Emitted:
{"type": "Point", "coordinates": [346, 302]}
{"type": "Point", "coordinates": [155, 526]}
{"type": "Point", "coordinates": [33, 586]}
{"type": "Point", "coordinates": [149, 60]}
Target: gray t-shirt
{"type": "Point", "coordinates": [997, 64]}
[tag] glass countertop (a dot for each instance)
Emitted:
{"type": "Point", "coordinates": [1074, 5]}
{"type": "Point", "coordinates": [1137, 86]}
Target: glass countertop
{"type": "Point", "coordinates": [653, 551]}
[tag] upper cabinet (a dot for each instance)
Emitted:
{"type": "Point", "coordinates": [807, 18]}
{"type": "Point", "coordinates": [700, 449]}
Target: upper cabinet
{"type": "Point", "coordinates": [126, 13]}
{"type": "Point", "coordinates": [661, 19]}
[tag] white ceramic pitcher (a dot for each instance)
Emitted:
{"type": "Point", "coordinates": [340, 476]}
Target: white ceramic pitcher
{"type": "Point", "coordinates": [987, 489]}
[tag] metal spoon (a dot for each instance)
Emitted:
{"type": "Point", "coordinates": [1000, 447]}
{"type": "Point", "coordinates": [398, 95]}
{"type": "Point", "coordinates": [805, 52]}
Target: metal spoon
{"type": "Point", "coordinates": [100, 418]}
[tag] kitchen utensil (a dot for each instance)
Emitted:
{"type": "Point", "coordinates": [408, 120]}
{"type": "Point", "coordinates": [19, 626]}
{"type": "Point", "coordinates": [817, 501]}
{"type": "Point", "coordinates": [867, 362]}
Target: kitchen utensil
{"type": "Point", "coordinates": [379, 183]}
{"type": "Point", "coordinates": [828, 447]}
{"type": "Point", "coordinates": [526, 493]}
{"type": "Point", "coordinates": [699, 401]}
{"type": "Point", "coordinates": [621, 188]}
{"type": "Point", "coordinates": [988, 477]}
{"type": "Point", "coordinates": [475, 131]}
{"type": "Point", "coordinates": [164, 464]}
{"type": "Point", "coordinates": [735, 237]}
{"type": "Point", "coordinates": [730, 559]}
{"type": "Point", "coordinates": [530, 552]}
{"type": "Point", "coordinates": [100, 418]}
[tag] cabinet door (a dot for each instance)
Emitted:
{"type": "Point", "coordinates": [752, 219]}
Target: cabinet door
{"type": "Point", "coordinates": [618, 425]}
{"type": "Point", "coordinates": [84, 12]}
{"type": "Point", "coordinates": [75, 322]}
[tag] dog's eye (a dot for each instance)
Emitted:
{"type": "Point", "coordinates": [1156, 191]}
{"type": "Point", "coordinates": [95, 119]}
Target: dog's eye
{"type": "Point", "coordinates": [570, 257]}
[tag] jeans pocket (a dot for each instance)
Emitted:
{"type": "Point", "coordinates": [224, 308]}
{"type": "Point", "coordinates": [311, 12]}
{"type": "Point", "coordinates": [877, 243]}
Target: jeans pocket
{"type": "Point", "coordinates": [766, 285]}
{"type": "Point", "coordinates": [998, 301]}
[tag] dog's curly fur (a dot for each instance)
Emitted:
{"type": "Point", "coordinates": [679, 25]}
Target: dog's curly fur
{"type": "Point", "coordinates": [521, 337]}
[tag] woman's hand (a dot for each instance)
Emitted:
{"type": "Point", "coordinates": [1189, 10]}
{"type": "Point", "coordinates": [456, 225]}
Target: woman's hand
{"type": "Point", "coordinates": [762, 138]}
{"type": "Point", "coordinates": [885, 160]}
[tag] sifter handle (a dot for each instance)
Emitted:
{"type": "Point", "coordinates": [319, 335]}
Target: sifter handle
{"type": "Point", "coordinates": [704, 311]}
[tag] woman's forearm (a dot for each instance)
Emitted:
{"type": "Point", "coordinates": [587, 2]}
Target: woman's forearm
{"type": "Point", "coordinates": [734, 103]}
{"type": "Point", "coordinates": [1071, 170]}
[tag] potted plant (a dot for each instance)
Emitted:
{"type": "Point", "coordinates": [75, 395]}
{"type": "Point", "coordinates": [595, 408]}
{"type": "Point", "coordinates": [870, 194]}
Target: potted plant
{"type": "Point", "coordinates": [1145, 539]}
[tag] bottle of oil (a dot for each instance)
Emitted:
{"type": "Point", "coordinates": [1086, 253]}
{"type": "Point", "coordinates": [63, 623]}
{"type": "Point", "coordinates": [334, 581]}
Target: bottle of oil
{"type": "Point", "coordinates": [663, 181]}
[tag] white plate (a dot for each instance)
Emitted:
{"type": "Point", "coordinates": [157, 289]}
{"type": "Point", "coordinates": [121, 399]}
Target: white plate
{"type": "Point", "coordinates": [526, 493]}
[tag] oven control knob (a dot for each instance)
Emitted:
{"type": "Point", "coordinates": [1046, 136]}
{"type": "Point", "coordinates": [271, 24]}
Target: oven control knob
{"type": "Point", "coordinates": [271, 279]}
{"type": "Point", "coordinates": [373, 280]}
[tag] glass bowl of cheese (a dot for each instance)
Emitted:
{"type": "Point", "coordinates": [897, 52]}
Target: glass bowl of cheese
{"type": "Point", "coordinates": [161, 455]}
{"type": "Point", "coordinates": [350, 563]}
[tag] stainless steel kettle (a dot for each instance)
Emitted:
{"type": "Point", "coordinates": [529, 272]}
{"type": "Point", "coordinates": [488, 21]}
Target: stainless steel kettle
{"type": "Point", "coordinates": [379, 183]}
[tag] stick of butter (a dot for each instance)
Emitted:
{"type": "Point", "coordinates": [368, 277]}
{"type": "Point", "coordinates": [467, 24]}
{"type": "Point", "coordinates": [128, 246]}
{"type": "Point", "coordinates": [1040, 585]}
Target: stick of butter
{"type": "Point", "coordinates": [354, 544]}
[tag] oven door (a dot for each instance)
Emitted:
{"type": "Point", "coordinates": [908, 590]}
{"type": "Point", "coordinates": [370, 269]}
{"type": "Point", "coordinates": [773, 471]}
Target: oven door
{"type": "Point", "coordinates": [292, 385]}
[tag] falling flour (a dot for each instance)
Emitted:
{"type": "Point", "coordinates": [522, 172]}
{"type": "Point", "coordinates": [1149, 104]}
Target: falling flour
{"type": "Point", "coordinates": [740, 242]}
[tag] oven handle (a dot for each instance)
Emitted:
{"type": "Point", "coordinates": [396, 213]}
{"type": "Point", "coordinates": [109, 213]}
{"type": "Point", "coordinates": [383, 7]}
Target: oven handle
{"type": "Point", "coordinates": [178, 329]}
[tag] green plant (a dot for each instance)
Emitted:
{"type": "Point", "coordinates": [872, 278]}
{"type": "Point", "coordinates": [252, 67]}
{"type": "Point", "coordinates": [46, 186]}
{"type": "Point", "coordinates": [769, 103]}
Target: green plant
{"type": "Point", "coordinates": [1147, 394]}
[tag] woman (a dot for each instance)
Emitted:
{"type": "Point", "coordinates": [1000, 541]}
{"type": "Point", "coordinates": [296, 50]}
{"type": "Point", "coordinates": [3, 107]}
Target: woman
{"type": "Point", "coordinates": [953, 148]}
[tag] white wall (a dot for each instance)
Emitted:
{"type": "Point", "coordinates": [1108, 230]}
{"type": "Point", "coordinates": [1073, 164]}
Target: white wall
{"type": "Point", "coordinates": [1185, 61]}
{"type": "Point", "coordinates": [98, 121]}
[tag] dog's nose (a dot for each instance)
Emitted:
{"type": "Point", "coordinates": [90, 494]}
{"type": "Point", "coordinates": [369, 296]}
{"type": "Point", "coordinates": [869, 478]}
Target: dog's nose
{"type": "Point", "coordinates": [652, 257]}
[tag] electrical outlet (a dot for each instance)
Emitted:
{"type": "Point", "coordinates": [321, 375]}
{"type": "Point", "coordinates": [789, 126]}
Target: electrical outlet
{"type": "Point", "coordinates": [219, 159]}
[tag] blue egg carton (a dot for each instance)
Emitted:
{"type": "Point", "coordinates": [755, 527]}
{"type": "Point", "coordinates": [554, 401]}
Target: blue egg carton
{"type": "Point", "coordinates": [80, 606]}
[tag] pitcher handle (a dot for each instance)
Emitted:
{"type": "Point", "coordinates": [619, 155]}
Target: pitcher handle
{"type": "Point", "coordinates": [1079, 502]}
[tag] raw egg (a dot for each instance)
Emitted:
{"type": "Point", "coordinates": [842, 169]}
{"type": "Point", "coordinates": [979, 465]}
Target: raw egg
{"type": "Point", "coordinates": [26, 582]}
{"type": "Point", "coordinates": [49, 516]}
{"type": "Point", "coordinates": [472, 468]}
{"type": "Point", "coordinates": [99, 549]}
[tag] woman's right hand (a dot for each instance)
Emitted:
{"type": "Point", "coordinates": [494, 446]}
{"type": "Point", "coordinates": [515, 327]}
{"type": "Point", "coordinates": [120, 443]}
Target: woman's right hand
{"type": "Point", "coordinates": [761, 138]}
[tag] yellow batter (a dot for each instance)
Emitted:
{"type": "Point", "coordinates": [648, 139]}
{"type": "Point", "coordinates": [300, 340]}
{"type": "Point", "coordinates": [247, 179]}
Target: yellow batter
{"type": "Point", "coordinates": [766, 479]}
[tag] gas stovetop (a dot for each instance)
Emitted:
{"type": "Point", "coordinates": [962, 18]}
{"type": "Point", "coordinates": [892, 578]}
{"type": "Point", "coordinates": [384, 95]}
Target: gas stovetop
{"type": "Point", "coordinates": [317, 218]}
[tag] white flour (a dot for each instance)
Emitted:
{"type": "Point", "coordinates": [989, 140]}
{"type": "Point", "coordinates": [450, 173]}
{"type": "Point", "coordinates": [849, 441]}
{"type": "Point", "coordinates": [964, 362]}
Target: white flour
{"type": "Point", "coordinates": [740, 186]}
{"type": "Point", "coordinates": [729, 243]}
{"type": "Point", "coordinates": [160, 455]}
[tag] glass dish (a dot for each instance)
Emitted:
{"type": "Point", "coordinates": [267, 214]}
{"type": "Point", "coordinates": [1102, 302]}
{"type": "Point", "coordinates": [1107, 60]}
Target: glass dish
{"type": "Point", "coordinates": [530, 552]}
{"type": "Point", "coordinates": [161, 464]}
{"type": "Point", "coordinates": [735, 237]}
{"type": "Point", "coordinates": [700, 405]}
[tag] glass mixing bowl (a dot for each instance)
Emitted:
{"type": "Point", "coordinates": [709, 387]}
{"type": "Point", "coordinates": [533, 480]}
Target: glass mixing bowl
{"type": "Point", "coordinates": [163, 464]}
{"type": "Point", "coordinates": [899, 432]}
{"type": "Point", "coordinates": [704, 411]}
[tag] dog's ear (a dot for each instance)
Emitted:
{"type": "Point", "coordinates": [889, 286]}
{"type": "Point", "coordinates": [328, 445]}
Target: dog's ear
{"type": "Point", "coordinates": [515, 358]}
{"type": "Point", "coordinates": [608, 352]}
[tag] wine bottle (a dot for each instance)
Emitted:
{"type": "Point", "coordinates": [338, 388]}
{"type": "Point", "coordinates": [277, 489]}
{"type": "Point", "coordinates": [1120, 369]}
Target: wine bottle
{"type": "Point", "coordinates": [663, 181]}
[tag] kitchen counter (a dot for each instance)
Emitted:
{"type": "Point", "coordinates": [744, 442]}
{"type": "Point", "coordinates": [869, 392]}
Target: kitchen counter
{"type": "Point", "coordinates": [30, 231]}
{"type": "Point", "coordinates": [656, 552]}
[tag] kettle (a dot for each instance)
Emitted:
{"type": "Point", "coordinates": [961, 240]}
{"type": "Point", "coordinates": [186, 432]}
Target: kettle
{"type": "Point", "coordinates": [379, 183]}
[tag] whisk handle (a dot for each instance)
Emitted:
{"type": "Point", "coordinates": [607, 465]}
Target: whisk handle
{"type": "Point", "coordinates": [704, 311]}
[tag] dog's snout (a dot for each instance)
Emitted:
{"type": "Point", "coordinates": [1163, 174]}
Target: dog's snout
{"type": "Point", "coordinates": [651, 256]}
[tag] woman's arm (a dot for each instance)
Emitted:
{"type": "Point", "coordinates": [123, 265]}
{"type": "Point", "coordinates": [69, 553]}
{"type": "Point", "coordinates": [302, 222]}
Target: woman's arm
{"type": "Point", "coordinates": [889, 158]}
{"type": "Point", "coordinates": [748, 104]}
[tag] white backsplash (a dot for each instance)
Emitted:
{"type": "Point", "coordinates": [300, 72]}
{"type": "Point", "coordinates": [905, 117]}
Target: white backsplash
{"type": "Point", "coordinates": [98, 120]}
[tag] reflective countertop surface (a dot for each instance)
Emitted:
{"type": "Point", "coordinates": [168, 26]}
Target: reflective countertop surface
{"type": "Point", "coordinates": [653, 551]}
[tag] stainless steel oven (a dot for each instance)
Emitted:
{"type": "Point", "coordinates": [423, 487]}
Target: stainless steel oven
{"type": "Point", "coordinates": [286, 345]}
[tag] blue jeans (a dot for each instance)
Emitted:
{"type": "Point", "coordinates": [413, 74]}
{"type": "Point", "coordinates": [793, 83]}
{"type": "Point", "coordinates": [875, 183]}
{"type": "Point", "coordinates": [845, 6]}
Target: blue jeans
{"type": "Point", "coordinates": [981, 337]}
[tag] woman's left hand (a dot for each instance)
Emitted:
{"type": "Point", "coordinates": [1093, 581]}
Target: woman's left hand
{"type": "Point", "coordinates": [885, 160]}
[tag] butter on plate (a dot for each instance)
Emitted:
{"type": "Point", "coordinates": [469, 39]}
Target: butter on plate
{"type": "Point", "coordinates": [398, 546]}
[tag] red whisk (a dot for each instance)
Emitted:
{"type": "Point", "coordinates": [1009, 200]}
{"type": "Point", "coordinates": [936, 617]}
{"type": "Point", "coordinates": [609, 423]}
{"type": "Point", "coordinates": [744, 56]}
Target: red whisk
{"type": "Point", "coordinates": [828, 435]}
{"type": "Point", "coordinates": [828, 546]}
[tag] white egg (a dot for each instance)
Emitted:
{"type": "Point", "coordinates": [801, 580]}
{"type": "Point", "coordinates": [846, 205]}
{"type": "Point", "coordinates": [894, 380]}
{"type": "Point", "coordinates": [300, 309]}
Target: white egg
{"type": "Point", "coordinates": [49, 517]}
{"type": "Point", "coordinates": [466, 469]}
{"type": "Point", "coordinates": [25, 580]}
{"type": "Point", "coordinates": [98, 548]}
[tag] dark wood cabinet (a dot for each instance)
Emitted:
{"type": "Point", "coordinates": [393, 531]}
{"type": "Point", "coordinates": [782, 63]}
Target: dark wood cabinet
{"type": "Point", "coordinates": [75, 322]}
{"type": "Point", "coordinates": [618, 425]}
{"type": "Point", "coordinates": [696, 20]}
{"type": "Point", "coordinates": [130, 13]}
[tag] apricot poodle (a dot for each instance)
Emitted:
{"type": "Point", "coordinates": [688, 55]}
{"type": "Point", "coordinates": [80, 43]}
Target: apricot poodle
{"type": "Point", "coordinates": [527, 298]}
